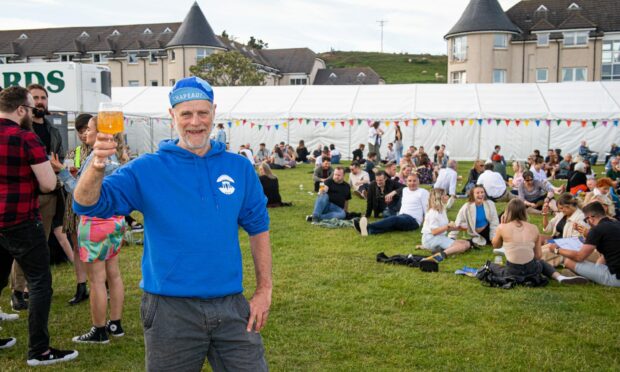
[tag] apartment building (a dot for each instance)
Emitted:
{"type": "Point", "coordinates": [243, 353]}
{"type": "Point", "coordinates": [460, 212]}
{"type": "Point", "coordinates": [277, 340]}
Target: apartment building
{"type": "Point", "coordinates": [535, 41]}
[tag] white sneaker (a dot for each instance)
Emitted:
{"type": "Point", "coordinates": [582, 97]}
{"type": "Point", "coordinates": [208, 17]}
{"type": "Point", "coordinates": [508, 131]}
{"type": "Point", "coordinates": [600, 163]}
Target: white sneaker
{"type": "Point", "coordinates": [364, 226]}
{"type": "Point", "coordinates": [572, 279]}
{"type": "Point", "coordinates": [500, 251]}
{"type": "Point", "coordinates": [8, 317]}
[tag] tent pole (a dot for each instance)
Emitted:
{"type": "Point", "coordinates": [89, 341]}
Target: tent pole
{"type": "Point", "coordinates": [479, 140]}
{"type": "Point", "coordinates": [549, 137]}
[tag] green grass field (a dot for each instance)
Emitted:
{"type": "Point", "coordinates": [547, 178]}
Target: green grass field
{"type": "Point", "coordinates": [336, 309]}
{"type": "Point", "coordinates": [393, 68]}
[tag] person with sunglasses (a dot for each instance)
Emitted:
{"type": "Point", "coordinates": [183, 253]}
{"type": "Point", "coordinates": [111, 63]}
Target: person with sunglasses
{"type": "Point", "coordinates": [604, 237]}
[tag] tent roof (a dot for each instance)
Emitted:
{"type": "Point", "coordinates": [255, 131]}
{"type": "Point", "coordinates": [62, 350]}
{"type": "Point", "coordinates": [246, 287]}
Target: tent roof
{"type": "Point", "coordinates": [577, 101]}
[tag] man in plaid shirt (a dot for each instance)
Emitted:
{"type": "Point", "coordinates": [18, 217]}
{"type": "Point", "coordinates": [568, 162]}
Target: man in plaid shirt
{"type": "Point", "coordinates": [24, 171]}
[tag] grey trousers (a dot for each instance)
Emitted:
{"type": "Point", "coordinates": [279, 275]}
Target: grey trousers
{"type": "Point", "coordinates": [179, 333]}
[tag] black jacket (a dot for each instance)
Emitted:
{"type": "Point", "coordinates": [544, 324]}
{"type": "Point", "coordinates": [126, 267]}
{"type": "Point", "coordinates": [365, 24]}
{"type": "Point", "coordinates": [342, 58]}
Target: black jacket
{"type": "Point", "coordinates": [376, 204]}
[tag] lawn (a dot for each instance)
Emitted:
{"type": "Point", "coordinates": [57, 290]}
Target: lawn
{"type": "Point", "coordinates": [336, 309]}
{"type": "Point", "coordinates": [394, 68]}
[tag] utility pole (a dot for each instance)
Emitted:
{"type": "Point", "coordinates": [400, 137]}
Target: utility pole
{"type": "Point", "coordinates": [382, 24]}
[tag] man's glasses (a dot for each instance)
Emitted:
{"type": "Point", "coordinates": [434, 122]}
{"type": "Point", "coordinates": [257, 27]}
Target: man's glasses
{"type": "Point", "coordinates": [30, 107]}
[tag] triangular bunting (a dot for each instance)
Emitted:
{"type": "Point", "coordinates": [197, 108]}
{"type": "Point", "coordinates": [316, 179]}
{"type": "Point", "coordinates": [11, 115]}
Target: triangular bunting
{"type": "Point", "coordinates": [342, 123]}
{"type": "Point", "coordinates": [507, 121]}
{"type": "Point", "coordinates": [260, 127]}
{"type": "Point", "coordinates": [594, 124]}
{"type": "Point", "coordinates": [497, 121]}
{"type": "Point", "coordinates": [252, 125]}
{"type": "Point", "coordinates": [462, 121]}
{"type": "Point", "coordinates": [559, 122]}
{"type": "Point", "coordinates": [584, 123]}
{"type": "Point", "coordinates": [538, 123]}
{"type": "Point", "coordinates": [451, 122]}
{"type": "Point", "coordinates": [277, 126]}
{"type": "Point", "coordinates": [479, 121]}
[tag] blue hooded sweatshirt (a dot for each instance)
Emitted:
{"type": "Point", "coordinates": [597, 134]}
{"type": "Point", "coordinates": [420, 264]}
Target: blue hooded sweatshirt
{"type": "Point", "coordinates": [192, 208]}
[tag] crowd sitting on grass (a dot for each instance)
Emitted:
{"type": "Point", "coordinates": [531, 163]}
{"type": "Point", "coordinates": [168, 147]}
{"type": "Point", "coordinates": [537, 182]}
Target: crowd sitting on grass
{"type": "Point", "coordinates": [395, 199]}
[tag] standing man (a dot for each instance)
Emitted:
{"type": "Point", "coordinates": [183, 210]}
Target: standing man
{"type": "Point", "coordinates": [24, 166]}
{"type": "Point", "coordinates": [446, 180]}
{"type": "Point", "coordinates": [374, 139]}
{"type": "Point", "coordinates": [50, 136]}
{"type": "Point", "coordinates": [193, 305]}
{"type": "Point", "coordinates": [221, 134]}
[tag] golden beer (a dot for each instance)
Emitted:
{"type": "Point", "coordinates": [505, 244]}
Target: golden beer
{"type": "Point", "coordinates": [110, 122]}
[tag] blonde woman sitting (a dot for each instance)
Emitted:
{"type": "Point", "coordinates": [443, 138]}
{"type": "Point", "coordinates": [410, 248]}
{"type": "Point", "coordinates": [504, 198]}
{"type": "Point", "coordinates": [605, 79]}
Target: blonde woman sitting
{"type": "Point", "coordinates": [434, 232]}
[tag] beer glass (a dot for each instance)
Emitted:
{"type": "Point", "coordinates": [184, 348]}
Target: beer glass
{"type": "Point", "coordinates": [110, 118]}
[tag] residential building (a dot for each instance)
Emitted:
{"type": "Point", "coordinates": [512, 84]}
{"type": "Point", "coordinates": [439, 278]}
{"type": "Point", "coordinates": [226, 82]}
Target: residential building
{"type": "Point", "coordinates": [535, 41]}
{"type": "Point", "coordinates": [153, 54]}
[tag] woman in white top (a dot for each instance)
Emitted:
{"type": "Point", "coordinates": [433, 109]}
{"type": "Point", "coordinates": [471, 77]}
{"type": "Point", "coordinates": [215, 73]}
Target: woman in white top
{"type": "Point", "coordinates": [434, 232]}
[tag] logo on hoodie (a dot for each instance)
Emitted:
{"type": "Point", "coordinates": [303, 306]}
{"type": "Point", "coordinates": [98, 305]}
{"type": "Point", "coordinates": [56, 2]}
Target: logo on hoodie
{"type": "Point", "coordinates": [225, 184]}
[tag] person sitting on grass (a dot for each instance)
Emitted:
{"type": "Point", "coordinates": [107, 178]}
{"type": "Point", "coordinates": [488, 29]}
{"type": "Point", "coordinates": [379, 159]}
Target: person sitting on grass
{"type": "Point", "coordinates": [494, 184]}
{"type": "Point", "coordinates": [565, 168]}
{"type": "Point", "coordinates": [405, 171]}
{"type": "Point", "coordinates": [603, 237]}
{"type": "Point", "coordinates": [315, 153]}
{"type": "Point", "coordinates": [478, 217]}
{"type": "Point", "coordinates": [446, 180]}
{"type": "Point", "coordinates": [322, 173]}
{"type": "Point", "coordinates": [521, 243]}
{"type": "Point", "coordinates": [358, 154]}
{"type": "Point", "coordinates": [271, 187]}
{"type": "Point", "coordinates": [604, 188]}
{"type": "Point", "coordinates": [425, 170]}
{"type": "Point", "coordinates": [435, 229]}
{"type": "Point", "coordinates": [578, 181]}
{"type": "Point", "coordinates": [517, 177]}
{"type": "Point", "coordinates": [370, 165]}
{"type": "Point", "coordinates": [358, 180]}
{"type": "Point", "coordinates": [382, 197]}
{"type": "Point", "coordinates": [535, 193]}
{"type": "Point", "coordinates": [333, 199]}
{"type": "Point", "coordinates": [390, 170]}
{"type": "Point", "coordinates": [414, 202]}
{"type": "Point", "coordinates": [569, 222]}
{"type": "Point", "coordinates": [475, 172]}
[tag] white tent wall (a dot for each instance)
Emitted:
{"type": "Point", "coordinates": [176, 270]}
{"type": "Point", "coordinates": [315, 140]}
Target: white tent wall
{"type": "Point", "coordinates": [271, 106]}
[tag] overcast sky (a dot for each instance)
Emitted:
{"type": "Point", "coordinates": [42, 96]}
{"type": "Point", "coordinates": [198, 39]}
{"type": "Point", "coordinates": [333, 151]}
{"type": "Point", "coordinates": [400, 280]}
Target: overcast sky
{"type": "Point", "coordinates": [415, 26]}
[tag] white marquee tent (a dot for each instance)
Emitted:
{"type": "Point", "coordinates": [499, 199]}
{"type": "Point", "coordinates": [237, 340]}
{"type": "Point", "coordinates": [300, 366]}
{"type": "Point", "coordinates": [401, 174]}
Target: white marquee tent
{"type": "Point", "coordinates": [470, 119]}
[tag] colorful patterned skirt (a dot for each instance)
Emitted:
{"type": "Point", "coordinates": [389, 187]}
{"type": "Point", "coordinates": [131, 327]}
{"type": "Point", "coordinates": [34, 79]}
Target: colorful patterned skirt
{"type": "Point", "coordinates": [100, 239]}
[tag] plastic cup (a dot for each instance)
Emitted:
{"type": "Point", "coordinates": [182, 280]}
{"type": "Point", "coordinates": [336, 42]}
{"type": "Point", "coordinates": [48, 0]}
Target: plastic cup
{"type": "Point", "coordinates": [110, 118]}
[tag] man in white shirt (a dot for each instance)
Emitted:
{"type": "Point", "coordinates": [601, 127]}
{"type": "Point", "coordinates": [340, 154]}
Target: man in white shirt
{"type": "Point", "coordinates": [414, 203]}
{"type": "Point", "coordinates": [446, 180]}
{"type": "Point", "coordinates": [359, 180]}
{"type": "Point", "coordinates": [494, 184]}
{"type": "Point", "coordinates": [391, 154]}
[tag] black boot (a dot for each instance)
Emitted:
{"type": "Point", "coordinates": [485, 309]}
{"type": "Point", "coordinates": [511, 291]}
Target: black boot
{"type": "Point", "coordinates": [81, 294]}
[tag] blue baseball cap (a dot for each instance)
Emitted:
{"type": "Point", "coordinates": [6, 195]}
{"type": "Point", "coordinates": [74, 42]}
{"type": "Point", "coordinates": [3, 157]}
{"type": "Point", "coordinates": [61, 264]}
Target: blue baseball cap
{"type": "Point", "coordinates": [190, 89]}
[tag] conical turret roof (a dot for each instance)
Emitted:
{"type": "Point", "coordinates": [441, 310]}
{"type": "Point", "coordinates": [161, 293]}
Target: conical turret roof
{"type": "Point", "coordinates": [483, 15]}
{"type": "Point", "coordinates": [195, 31]}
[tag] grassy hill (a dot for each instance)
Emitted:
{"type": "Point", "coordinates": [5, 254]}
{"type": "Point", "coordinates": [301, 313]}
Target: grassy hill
{"type": "Point", "coordinates": [393, 68]}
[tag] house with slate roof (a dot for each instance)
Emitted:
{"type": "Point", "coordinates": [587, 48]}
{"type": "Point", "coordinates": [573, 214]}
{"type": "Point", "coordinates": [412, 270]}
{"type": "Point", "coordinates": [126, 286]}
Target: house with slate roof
{"type": "Point", "coordinates": [535, 41]}
{"type": "Point", "coordinates": [153, 54]}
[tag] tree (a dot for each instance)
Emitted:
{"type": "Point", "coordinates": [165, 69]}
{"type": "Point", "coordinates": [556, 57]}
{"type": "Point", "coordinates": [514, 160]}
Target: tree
{"type": "Point", "coordinates": [228, 69]}
{"type": "Point", "coordinates": [225, 35]}
{"type": "Point", "coordinates": [257, 43]}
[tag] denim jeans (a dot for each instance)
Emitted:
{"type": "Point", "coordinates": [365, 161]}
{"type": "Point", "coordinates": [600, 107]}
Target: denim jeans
{"type": "Point", "coordinates": [26, 244]}
{"type": "Point", "coordinates": [179, 333]}
{"type": "Point", "coordinates": [324, 209]}
{"type": "Point", "coordinates": [402, 222]}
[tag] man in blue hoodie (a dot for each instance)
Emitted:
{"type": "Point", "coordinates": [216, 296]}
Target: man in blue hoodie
{"type": "Point", "coordinates": [193, 306]}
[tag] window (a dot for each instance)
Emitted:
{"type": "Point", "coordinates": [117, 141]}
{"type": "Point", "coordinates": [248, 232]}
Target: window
{"type": "Point", "coordinates": [611, 60]}
{"type": "Point", "coordinates": [500, 41]}
{"type": "Point", "coordinates": [173, 56]}
{"type": "Point", "coordinates": [299, 81]}
{"type": "Point", "coordinates": [203, 53]}
{"type": "Point", "coordinates": [100, 58]}
{"type": "Point", "coordinates": [134, 83]}
{"type": "Point", "coordinates": [542, 75]}
{"type": "Point", "coordinates": [499, 76]}
{"type": "Point", "coordinates": [172, 82]}
{"type": "Point", "coordinates": [2, 60]}
{"type": "Point", "coordinates": [148, 31]}
{"type": "Point", "coordinates": [23, 37]}
{"type": "Point", "coordinates": [458, 77]}
{"type": "Point", "coordinates": [154, 83]}
{"type": "Point", "coordinates": [132, 57]}
{"type": "Point", "coordinates": [115, 33]}
{"type": "Point", "coordinates": [167, 30]}
{"type": "Point", "coordinates": [542, 8]}
{"type": "Point", "coordinates": [542, 39]}
{"type": "Point", "coordinates": [153, 57]}
{"type": "Point", "coordinates": [576, 38]}
{"type": "Point", "coordinates": [574, 6]}
{"type": "Point", "coordinates": [66, 57]}
{"type": "Point", "coordinates": [574, 74]}
{"type": "Point", "coordinates": [84, 34]}
{"type": "Point", "coordinates": [459, 49]}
